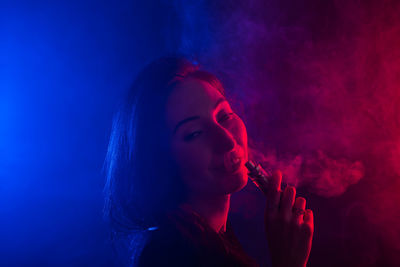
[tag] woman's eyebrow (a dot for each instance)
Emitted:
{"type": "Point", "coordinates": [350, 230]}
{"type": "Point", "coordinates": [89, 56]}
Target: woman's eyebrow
{"type": "Point", "coordinates": [185, 121]}
{"type": "Point", "coordinates": [179, 124]}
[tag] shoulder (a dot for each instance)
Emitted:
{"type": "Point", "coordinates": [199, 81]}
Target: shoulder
{"type": "Point", "coordinates": [166, 247]}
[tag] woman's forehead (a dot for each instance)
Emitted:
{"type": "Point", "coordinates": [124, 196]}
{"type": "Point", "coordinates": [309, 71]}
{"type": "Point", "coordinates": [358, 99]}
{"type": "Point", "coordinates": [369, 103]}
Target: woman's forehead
{"type": "Point", "coordinates": [190, 98]}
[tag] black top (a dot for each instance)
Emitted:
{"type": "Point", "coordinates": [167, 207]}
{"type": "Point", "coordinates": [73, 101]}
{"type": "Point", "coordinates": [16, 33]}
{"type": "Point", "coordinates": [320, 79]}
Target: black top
{"type": "Point", "coordinates": [185, 239]}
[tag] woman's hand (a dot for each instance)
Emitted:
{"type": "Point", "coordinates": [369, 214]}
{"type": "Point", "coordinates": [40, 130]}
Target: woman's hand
{"type": "Point", "coordinates": [289, 226]}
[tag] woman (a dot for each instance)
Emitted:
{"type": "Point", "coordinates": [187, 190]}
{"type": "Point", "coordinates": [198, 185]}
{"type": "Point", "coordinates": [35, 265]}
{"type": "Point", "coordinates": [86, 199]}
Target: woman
{"type": "Point", "coordinates": [176, 154]}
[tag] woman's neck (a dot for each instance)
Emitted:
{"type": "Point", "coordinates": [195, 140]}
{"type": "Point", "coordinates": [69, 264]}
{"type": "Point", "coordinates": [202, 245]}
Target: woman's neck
{"type": "Point", "coordinates": [213, 209]}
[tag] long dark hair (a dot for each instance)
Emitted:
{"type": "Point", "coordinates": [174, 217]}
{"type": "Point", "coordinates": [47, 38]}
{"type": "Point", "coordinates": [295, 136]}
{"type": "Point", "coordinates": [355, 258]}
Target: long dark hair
{"type": "Point", "coordinates": [142, 180]}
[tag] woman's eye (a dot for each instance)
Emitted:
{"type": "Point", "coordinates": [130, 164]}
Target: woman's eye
{"type": "Point", "coordinates": [192, 135]}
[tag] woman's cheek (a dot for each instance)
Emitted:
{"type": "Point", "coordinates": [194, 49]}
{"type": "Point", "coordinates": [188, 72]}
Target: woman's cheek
{"type": "Point", "coordinates": [192, 158]}
{"type": "Point", "coordinates": [194, 165]}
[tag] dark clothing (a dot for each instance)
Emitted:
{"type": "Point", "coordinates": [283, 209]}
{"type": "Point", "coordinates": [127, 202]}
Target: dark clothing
{"type": "Point", "coordinates": [185, 239]}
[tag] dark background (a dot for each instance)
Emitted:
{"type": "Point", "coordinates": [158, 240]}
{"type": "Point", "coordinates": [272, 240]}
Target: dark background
{"type": "Point", "coordinates": [316, 82]}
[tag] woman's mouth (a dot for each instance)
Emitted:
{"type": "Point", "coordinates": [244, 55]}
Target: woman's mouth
{"type": "Point", "coordinates": [232, 163]}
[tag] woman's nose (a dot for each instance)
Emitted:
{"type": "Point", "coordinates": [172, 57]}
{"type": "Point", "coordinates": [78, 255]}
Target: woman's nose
{"type": "Point", "coordinates": [222, 139]}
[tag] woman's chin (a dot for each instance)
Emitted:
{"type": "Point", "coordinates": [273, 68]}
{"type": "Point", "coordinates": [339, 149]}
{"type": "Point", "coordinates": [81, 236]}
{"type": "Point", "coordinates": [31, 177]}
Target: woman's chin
{"type": "Point", "coordinates": [238, 181]}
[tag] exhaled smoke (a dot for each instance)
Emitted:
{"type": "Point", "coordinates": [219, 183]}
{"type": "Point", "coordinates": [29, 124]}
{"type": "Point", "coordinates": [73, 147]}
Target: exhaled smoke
{"type": "Point", "coordinates": [319, 85]}
{"type": "Point", "coordinates": [317, 172]}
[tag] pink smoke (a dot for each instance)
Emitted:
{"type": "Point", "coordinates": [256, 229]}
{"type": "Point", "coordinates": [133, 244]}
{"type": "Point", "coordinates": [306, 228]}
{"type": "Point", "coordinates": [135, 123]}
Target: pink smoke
{"type": "Point", "coordinates": [318, 85]}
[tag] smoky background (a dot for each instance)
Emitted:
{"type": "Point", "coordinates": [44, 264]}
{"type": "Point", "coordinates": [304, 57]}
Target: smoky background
{"type": "Point", "coordinates": [316, 83]}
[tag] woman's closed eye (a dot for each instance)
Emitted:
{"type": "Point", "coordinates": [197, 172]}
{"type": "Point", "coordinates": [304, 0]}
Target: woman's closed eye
{"type": "Point", "coordinates": [192, 135]}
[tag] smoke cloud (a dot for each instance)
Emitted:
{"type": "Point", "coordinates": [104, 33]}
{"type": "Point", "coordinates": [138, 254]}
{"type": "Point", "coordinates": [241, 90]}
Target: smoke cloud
{"type": "Point", "coordinates": [317, 84]}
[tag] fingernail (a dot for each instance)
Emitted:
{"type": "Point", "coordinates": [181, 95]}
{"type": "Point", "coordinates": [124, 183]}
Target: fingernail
{"type": "Point", "coordinates": [290, 189]}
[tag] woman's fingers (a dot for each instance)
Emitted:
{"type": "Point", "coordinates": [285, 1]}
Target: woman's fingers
{"type": "Point", "coordinates": [276, 181]}
{"type": "Point", "coordinates": [289, 226]}
{"type": "Point", "coordinates": [308, 225]}
{"type": "Point", "coordinates": [287, 203]}
{"type": "Point", "coordinates": [298, 210]}
{"type": "Point", "coordinates": [285, 211]}
{"type": "Point", "coordinates": [274, 193]}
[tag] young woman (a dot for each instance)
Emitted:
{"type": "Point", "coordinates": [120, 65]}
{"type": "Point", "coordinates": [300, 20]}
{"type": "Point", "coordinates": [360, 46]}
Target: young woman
{"type": "Point", "coordinates": [176, 154]}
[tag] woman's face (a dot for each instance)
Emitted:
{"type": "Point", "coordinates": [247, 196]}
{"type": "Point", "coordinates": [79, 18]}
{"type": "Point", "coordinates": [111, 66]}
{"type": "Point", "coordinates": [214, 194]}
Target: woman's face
{"type": "Point", "coordinates": [207, 139]}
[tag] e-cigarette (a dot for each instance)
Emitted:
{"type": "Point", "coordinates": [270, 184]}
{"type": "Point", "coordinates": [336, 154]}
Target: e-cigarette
{"type": "Point", "coordinates": [259, 176]}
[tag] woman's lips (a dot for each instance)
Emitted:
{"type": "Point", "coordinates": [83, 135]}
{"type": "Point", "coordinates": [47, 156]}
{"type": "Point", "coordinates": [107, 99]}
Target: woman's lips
{"type": "Point", "coordinates": [232, 162]}
{"type": "Point", "coordinates": [231, 165]}
{"type": "Point", "coordinates": [234, 166]}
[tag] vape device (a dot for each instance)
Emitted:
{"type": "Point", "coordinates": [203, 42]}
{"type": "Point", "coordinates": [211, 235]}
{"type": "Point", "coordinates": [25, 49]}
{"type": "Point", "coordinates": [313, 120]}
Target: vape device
{"type": "Point", "coordinates": [260, 177]}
